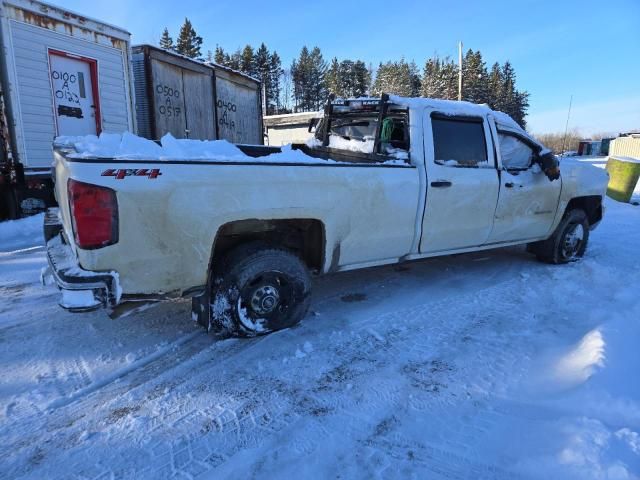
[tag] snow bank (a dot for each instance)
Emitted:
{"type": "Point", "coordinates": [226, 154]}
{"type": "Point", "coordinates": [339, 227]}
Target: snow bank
{"type": "Point", "coordinates": [23, 233]}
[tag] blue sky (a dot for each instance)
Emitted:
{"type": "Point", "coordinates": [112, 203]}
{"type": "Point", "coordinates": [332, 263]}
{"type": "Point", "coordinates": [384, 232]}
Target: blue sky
{"type": "Point", "coordinates": [588, 49]}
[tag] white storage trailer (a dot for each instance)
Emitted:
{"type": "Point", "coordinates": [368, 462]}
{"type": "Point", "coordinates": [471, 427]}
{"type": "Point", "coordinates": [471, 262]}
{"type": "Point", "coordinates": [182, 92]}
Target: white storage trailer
{"type": "Point", "coordinates": [62, 74]}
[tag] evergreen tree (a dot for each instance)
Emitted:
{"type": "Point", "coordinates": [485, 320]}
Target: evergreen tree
{"type": "Point", "coordinates": [508, 98]}
{"type": "Point", "coordinates": [308, 76]}
{"type": "Point", "coordinates": [275, 73]}
{"type": "Point", "coordinates": [300, 77]}
{"type": "Point", "coordinates": [189, 42]}
{"type": "Point", "coordinates": [247, 64]}
{"type": "Point", "coordinates": [449, 77]}
{"type": "Point", "coordinates": [261, 65]}
{"type": "Point", "coordinates": [234, 61]}
{"type": "Point", "coordinates": [220, 57]}
{"type": "Point", "coordinates": [495, 83]}
{"type": "Point", "coordinates": [166, 41]}
{"type": "Point", "coordinates": [318, 69]}
{"type": "Point", "coordinates": [414, 75]}
{"type": "Point", "coordinates": [432, 85]}
{"type": "Point", "coordinates": [399, 78]}
{"type": "Point", "coordinates": [332, 78]}
{"type": "Point", "coordinates": [267, 69]}
{"type": "Point", "coordinates": [361, 79]}
{"type": "Point", "coordinates": [347, 78]}
{"type": "Point", "coordinates": [475, 79]}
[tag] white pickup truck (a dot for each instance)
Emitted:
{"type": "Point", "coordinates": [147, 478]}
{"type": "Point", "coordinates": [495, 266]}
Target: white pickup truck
{"type": "Point", "coordinates": [240, 229]}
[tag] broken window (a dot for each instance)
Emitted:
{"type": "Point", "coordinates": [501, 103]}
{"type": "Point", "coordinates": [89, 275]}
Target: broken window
{"type": "Point", "coordinates": [357, 133]}
{"type": "Point", "coordinates": [514, 152]}
{"type": "Point", "coordinates": [394, 135]}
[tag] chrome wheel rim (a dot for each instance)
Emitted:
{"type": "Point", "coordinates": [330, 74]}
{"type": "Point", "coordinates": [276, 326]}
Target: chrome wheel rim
{"type": "Point", "coordinates": [265, 299]}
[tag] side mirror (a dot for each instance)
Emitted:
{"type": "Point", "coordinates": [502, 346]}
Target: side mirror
{"type": "Point", "coordinates": [550, 165]}
{"type": "Point", "coordinates": [313, 123]}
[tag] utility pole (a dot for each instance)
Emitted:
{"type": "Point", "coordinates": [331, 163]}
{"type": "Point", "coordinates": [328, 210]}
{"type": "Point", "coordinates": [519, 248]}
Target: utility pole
{"type": "Point", "coordinates": [459, 71]}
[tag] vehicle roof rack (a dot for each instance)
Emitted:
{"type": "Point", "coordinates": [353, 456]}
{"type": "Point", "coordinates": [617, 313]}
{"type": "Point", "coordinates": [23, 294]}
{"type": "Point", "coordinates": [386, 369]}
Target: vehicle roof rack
{"type": "Point", "coordinates": [344, 105]}
{"type": "Point", "coordinates": [384, 103]}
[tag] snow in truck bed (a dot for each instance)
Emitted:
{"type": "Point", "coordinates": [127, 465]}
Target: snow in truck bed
{"type": "Point", "coordinates": [128, 146]}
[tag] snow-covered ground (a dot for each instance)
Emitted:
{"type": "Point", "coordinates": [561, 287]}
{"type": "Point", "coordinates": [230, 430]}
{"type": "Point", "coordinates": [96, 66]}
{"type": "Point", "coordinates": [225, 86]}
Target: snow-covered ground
{"type": "Point", "coordinates": [487, 365]}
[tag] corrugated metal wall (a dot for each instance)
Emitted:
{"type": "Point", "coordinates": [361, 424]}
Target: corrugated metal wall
{"type": "Point", "coordinates": [143, 107]}
{"type": "Point", "coordinates": [30, 45]}
{"type": "Point", "coordinates": [625, 147]}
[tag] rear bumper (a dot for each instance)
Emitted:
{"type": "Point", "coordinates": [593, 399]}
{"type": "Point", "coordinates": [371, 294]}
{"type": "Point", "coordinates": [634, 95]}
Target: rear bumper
{"type": "Point", "coordinates": [82, 290]}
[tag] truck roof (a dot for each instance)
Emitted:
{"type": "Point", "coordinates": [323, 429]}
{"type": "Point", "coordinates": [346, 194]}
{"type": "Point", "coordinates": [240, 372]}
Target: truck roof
{"type": "Point", "coordinates": [454, 107]}
{"type": "Point", "coordinates": [448, 107]}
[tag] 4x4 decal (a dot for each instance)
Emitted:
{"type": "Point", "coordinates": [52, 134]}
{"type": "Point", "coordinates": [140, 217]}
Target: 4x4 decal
{"type": "Point", "coordinates": [120, 173]}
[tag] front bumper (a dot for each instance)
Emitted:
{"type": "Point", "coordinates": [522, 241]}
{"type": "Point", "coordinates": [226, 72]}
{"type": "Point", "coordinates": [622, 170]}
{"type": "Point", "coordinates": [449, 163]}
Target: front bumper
{"type": "Point", "coordinates": [82, 290]}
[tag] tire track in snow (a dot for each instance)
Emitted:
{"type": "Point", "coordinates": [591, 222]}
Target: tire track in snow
{"type": "Point", "coordinates": [256, 408]}
{"type": "Point", "coordinates": [308, 443]}
{"type": "Point", "coordinates": [104, 397]}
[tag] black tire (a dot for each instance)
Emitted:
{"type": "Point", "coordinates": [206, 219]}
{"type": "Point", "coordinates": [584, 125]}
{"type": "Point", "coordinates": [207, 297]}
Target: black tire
{"type": "Point", "coordinates": [258, 289]}
{"type": "Point", "coordinates": [11, 206]}
{"type": "Point", "coordinates": [568, 242]}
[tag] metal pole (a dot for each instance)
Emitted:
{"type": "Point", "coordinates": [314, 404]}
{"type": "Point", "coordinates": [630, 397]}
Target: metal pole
{"type": "Point", "coordinates": [459, 71]}
{"type": "Point", "coordinates": [566, 127]}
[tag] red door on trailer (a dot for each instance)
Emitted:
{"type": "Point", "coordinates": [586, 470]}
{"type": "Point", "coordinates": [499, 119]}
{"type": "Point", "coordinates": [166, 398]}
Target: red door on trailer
{"type": "Point", "coordinates": [76, 100]}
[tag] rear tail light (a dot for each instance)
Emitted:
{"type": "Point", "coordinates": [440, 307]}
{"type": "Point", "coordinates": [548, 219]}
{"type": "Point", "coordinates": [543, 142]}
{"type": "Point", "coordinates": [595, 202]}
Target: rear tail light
{"type": "Point", "coordinates": [94, 213]}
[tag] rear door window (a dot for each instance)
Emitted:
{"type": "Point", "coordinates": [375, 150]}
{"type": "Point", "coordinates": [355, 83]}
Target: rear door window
{"type": "Point", "coordinates": [459, 141]}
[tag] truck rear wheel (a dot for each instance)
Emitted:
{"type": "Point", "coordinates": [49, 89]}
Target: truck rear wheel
{"type": "Point", "coordinates": [258, 289]}
{"type": "Point", "coordinates": [569, 241]}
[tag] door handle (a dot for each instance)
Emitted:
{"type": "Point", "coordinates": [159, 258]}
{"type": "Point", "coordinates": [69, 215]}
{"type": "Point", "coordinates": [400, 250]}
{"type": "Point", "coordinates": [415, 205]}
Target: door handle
{"type": "Point", "coordinates": [511, 185]}
{"type": "Point", "coordinates": [441, 184]}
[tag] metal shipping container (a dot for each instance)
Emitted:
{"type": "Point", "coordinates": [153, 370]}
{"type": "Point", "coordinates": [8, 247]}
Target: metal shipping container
{"type": "Point", "coordinates": [63, 74]}
{"type": "Point", "coordinates": [193, 99]}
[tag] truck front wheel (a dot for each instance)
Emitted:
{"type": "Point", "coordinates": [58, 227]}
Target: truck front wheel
{"type": "Point", "coordinates": [569, 241]}
{"type": "Point", "coordinates": [258, 289]}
